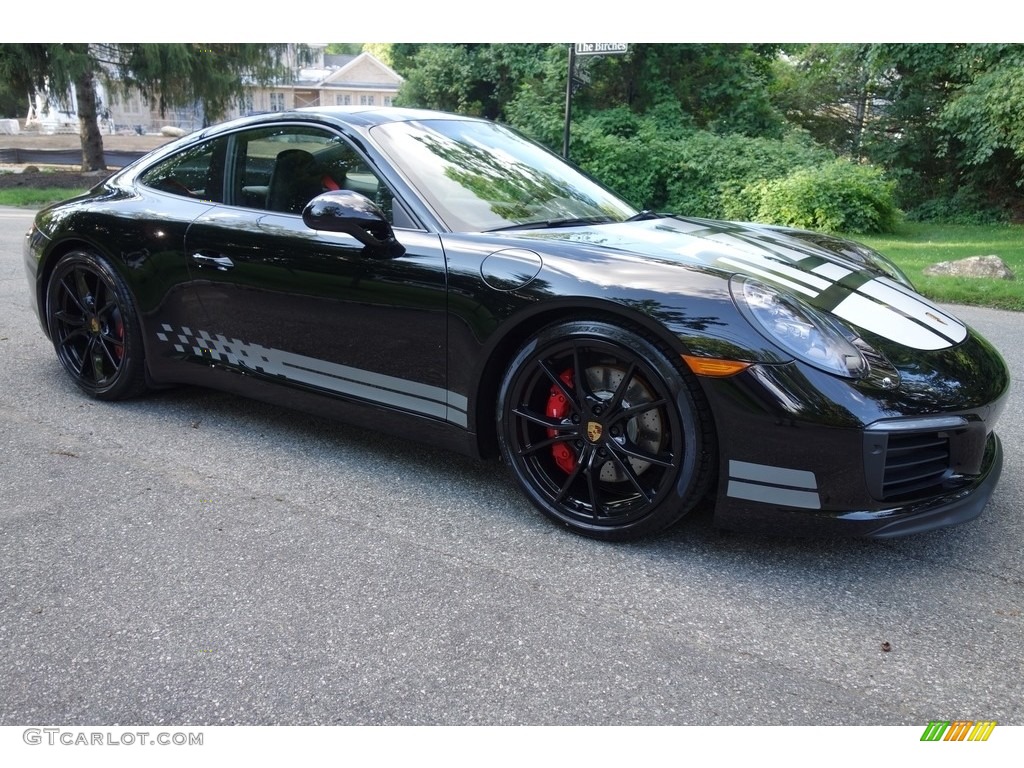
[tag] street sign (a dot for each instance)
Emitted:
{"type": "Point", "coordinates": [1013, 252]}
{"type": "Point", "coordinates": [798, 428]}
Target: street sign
{"type": "Point", "coordinates": [578, 77]}
{"type": "Point", "coordinates": [601, 49]}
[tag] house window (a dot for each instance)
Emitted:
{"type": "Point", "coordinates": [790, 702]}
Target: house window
{"type": "Point", "coordinates": [387, 101]}
{"type": "Point", "coordinates": [366, 100]}
{"type": "Point", "coordinates": [277, 102]}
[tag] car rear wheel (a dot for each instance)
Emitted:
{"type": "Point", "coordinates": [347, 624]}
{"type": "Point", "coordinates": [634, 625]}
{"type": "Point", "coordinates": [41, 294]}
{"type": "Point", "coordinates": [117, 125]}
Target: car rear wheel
{"type": "Point", "coordinates": [94, 327]}
{"type": "Point", "coordinates": [605, 433]}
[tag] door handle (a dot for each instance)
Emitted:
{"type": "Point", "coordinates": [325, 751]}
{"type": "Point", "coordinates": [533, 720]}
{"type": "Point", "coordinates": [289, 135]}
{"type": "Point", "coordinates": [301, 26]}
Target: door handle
{"type": "Point", "coordinates": [223, 263]}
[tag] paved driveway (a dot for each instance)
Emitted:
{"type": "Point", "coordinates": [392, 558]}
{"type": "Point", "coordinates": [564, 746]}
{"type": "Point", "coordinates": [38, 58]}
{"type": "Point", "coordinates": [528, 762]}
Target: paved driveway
{"type": "Point", "coordinates": [191, 558]}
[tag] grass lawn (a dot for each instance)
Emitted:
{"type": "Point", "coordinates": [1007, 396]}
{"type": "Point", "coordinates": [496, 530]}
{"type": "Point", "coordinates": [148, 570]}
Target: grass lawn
{"type": "Point", "coordinates": [917, 245]}
{"type": "Point", "coordinates": [30, 197]}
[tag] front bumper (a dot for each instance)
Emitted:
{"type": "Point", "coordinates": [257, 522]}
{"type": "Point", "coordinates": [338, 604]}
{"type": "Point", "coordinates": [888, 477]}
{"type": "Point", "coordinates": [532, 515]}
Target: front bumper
{"type": "Point", "coordinates": [813, 469]}
{"type": "Point", "coordinates": [945, 509]}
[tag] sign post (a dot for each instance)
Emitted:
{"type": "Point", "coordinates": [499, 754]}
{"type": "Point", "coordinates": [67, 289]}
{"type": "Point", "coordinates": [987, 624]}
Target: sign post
{"type": "Point", "coordinates": [572, 83]}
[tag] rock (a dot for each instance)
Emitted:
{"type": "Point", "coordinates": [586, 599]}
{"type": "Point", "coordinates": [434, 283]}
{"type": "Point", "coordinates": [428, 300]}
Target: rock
{"type": "Point", "coordinates": [974, 266]}
{"type": "Point", "coordinates": [30, 169]}
{"type": "Point", "coordinates": [170, 130]}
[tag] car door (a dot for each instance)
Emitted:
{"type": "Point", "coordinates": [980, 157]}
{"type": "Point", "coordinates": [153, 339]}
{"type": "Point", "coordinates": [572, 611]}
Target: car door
{"type": "Point", "coordinates": [314, 309]}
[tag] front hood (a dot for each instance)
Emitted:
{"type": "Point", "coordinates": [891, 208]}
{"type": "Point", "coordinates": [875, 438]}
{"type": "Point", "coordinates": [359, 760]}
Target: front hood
{"type": "Point", "coordinates": [834, 275]}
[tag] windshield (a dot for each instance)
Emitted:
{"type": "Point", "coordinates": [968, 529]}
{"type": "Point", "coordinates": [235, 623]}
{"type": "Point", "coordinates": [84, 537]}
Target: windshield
{"type": "Point", "coordinates": [480, 176]}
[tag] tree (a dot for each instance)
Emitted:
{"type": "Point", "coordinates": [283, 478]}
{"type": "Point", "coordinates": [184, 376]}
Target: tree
{"type": "Point", "coordinates": [942, 119]}
{"type": "Point", "coordinates": [828, 89]}
{"type": "Point", "coordinates": [719, 87]}
{"type": "Point", "coordinates": [983, 118]}
{"type": "Point", "coordinates": [171, 74]}
{"type": "Point", "coordinates": [945, 132]}
{"type": "Point", "coordinates": [472, 79]}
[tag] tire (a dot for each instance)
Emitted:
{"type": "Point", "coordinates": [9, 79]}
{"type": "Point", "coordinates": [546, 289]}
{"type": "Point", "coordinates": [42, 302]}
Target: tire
{"type": "Point", "coordinates": [94, 327]}
{"type": "Point", "coordinates": [627, 454]}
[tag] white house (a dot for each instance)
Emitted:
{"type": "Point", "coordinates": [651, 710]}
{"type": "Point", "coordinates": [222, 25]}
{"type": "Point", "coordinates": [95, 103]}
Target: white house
{"type": "Point", "coordinates": [336, 80]}
{"type": "Point", "coordinates": [330, 80]}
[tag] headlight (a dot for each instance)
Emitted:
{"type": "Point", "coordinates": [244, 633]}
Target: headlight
{"type": "Point", "coordinates": [798, 328]}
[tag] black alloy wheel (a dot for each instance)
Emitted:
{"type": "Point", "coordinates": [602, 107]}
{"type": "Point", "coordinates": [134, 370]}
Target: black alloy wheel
{"type": "Point", "coordinates": [603, 431]}
{"type": "Point", "coordinates": [94, 327]}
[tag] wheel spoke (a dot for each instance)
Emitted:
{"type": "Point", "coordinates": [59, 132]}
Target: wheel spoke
{"type": "Point", "coordinates": [86, 356]}
{"type": "Point", "coordinates": [71, 353]}
{"type": "Point", "coordinates": [663, 460]}
{"type": "Point", "coordinates": [96, 356]}
{"type": "Point", "coordinates": [65, 317]}
{"type": "Point", "coordinates": [633, 410]}
{"type": "Point", "coordinates": [82, 287]}
{"type": "Point", "coordinates": [620, 391]}
{"type": "Point", "coordinates": [104, 343]}
{"type": "Point", "coordinates": [630, 473]}
{"type": "Point", "coordinates": [71, 336]}
{"type": "Point", "coordinates": [580, 377]}
{"type": "Point", "coordinates": [592, 486]}
{"type": "Point", "coordinates": [565, 389]}
{"type": "Point", "coordinates": [70, 292]}
{"type": "Point", "coordinates": [534, 447]}
{"type": "Point", "coordinates": [569, 481]}
{"type": "Point", "coordinates": [544, 421]}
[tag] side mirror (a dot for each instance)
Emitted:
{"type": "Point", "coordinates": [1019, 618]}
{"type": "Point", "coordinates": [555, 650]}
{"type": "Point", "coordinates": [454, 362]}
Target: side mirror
{"type": "Point", "coordinates": [343, 210]}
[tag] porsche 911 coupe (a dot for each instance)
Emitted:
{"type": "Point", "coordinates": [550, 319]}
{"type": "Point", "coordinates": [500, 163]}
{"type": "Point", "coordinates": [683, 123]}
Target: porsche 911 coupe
{"type": "Point", "coordinates": [444, 279]}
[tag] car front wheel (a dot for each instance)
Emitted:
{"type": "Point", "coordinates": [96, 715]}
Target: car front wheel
{"type": "Point", "coordinates": [605, 433]}
{"type": "Point", "coordinates": [94, 327]}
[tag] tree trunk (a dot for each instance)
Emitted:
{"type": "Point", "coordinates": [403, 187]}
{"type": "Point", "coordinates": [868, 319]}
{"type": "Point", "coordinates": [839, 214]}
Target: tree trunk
{"type": "Point", "coordinates": [88, 121]}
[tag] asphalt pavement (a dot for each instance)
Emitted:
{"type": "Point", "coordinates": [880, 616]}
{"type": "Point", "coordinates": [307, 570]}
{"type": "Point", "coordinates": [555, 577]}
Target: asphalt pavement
{"type": "Point", "coordinates": [197, 559]}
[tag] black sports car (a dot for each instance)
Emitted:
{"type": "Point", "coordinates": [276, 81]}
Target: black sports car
{"type": "Point", "coordinates": [444, 279]}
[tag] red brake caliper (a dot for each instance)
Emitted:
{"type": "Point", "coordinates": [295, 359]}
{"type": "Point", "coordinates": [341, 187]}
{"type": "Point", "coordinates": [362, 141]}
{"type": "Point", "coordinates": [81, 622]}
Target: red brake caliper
{"type": "Point", "coordinates": [558, 408]}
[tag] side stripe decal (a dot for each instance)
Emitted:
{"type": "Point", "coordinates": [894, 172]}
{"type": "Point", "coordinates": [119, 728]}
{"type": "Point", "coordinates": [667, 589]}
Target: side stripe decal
{"type": "Point", "coordinates": [378, 388]}
{"type": "Point", "coordinates": [773, 485]}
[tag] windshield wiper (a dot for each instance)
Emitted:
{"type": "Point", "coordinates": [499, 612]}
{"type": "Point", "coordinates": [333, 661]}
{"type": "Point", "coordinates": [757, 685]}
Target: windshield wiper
{"type": "Point", "coordinates": [646, 215]}
{"type": "Point", "coordinates": [554, 223]}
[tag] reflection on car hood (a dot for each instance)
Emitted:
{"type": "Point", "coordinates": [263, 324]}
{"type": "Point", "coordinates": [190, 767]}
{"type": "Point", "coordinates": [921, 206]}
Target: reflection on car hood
{"type": "Point", "coordinates": [832, 274]}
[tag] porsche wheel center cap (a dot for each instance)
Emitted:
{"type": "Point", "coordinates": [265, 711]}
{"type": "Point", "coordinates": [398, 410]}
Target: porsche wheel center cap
{"type": "Point", "coordinates": [94, 324]}
{"type": "Point", "coordinates": [594, 431]}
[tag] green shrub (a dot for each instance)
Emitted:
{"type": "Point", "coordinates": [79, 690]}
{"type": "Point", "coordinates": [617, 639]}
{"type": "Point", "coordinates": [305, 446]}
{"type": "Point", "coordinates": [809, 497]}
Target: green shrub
{"type": "Point", "coordinates": [836, 197]}
{"type": "Point", "coordinates": [653, 165]}
{"type": "Point", "coordinates": [965, 206]}
{"type": "Point", "coordinates": [710, 168]}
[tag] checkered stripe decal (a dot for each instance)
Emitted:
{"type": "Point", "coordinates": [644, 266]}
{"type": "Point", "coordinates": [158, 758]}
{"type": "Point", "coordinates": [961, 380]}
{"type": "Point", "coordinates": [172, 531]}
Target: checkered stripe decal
{"type": "Point", "coordinates": [390, 391]}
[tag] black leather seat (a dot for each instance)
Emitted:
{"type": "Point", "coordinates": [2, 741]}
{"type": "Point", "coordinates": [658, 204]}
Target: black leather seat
{"type": "Point", "coordinates": [294, 181]}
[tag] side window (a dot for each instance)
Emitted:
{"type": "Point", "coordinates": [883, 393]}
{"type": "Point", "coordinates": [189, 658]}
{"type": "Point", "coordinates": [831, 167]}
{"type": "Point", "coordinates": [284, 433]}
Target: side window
{"type": "Point", "coordinates": [283, 168]}
{"type": "Point", "coordinates": [195, 173]}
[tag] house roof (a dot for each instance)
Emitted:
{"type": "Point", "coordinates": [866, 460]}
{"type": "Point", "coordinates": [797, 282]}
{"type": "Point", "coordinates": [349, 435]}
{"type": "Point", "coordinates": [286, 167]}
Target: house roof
{"type": "Point", "coordinates": [347, 71]}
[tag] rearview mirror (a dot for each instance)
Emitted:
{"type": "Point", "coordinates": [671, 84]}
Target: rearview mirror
{"type": "Point", "coordinates": [343, 210]}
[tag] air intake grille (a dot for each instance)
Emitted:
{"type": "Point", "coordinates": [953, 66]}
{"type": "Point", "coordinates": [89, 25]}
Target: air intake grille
{"type": "Point", "coordinates": [915, 463]}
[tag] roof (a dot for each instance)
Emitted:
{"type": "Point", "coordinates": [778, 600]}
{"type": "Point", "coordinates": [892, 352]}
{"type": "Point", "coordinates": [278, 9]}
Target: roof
{"type": "Point", "coordinates": [340, 71]}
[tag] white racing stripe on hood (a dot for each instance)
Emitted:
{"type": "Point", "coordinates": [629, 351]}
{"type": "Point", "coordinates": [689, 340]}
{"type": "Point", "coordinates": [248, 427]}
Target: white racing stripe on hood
{"type": "Point", "coordinates": [782, 270]}
{"type": "Point", "coordinates": [833, 272]}
{"type": "Point", "coordinates": [748, 268]}
{"type": "Point", "coordinates": [916, 307]}
{"type": "Point", "coordinates": [888, 323]}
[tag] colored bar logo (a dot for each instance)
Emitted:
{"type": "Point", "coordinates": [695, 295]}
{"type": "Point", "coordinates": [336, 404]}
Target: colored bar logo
{"type": "Point", "coordinates": [958, 730]}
